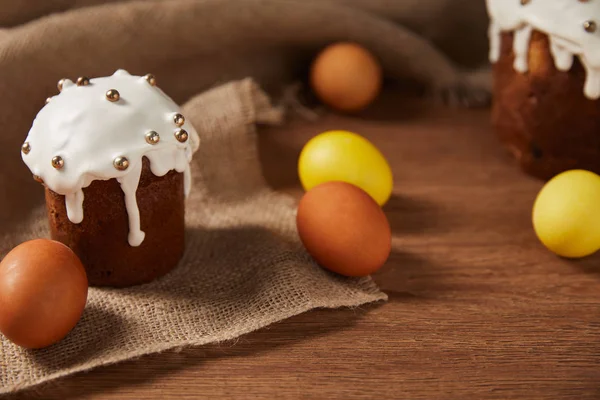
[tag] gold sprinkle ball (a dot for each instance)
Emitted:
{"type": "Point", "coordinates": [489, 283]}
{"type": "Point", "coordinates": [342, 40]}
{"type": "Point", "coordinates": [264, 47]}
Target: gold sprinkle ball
{"type": "Point", "coordinates": [113, 95]}
{"type": "Point", "coordinates": [83, 81]}
{"type": "Point", "coordinates": [152, 137]}
{"type": "Point", "coordinates": [58, 162]}
{"type": "Point", "coordinates": [121, 163]}
{"type": "Point", "coordinates": [181, 135]}
{"type": "Point", "coordinates": [26, 148]}
{"type": "Point", "coordinates": [590, 26]}
{"type": "Point", "coordinates": [48, 100]}
{"type": "Point", "coordinates": [179, 119]}
{"type": "Point", "coordinates": [150, 79]}
{"type": "Point", "coordinates": [59, 85]}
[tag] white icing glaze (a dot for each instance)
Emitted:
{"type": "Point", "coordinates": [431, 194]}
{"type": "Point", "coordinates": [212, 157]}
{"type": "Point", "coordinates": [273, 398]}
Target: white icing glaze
{"type": "Point", "coordinates": [563, 22]}
{"type": "Point", "coordinates": [89, 132]}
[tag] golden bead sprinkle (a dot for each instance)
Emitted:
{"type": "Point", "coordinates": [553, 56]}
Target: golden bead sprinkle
{"type": "Point", "coordinates": [525, 2]}
{"type": "Point", "coordinates": [152, 137]}
{"type": "Point", "coordinates": [83, 81]}
{"type": "Point", "coordinates": [59, 85]}
{"type": "Point", "coordinates": [58, 162]}
{"type": "Point", "coordinates": [113, 95]}
{"type": "Point", "coordinates": [121, 163]}
{"type": "Point", "coordinates": [590, 26]}
{"type": "Point", "coordinates": [26, 148]}
{"type": "Point", "coordinates": [150, 79]}
{"type": "Point", "coordinates": [179, 119]}
{"type": "Point", "coordinates": [48, 100]}
{"type": "Point", "coordinates": [181, 135]}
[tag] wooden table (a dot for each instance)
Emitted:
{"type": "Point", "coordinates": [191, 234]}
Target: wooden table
{"type": "Point", "coordinates": [477, 309]}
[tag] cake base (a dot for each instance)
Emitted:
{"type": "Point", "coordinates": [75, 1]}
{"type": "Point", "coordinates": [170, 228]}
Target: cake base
{"type": "Point", "coordinates": [100, 240]}
{"type": "Point", "coordinates": [542, 116]}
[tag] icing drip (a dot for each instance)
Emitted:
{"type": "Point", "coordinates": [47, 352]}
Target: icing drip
{"type": "Point", "coordinates": [592, 84]}
{"type": "Point", "coordinates": [562, 57]}
{"type": "Point", "coordinates": [129, 184]}
{"type": "Point", "coordinates": [187, 180]}
{"type": "Point", "coordinates": [74, 204]}
{"type": "Point", "coordinates": [562, 21]}
{"type": "Point", "coordinates": [494, 34]}
{"type": "Point", "coordinates": [521, 48]}
{"type": "Point", "coordinates": [89, 131]}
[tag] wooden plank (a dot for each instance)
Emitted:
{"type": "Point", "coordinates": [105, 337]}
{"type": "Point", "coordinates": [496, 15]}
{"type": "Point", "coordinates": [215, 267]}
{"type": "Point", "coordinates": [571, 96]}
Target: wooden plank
{"type": "Point", "coordinates": [478, 308]}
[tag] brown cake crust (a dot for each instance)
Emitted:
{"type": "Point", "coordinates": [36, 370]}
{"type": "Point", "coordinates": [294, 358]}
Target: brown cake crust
{"type": "Point", "coordinates": [543, 116]}
{"type": "Point", "coordinates": [100, 240]}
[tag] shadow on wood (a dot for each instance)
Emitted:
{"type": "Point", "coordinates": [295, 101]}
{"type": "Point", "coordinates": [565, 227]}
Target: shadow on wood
{"type": "Point", "coordinates": [411, 215]}
{"type": "Point", "coordinates": [119, 377]}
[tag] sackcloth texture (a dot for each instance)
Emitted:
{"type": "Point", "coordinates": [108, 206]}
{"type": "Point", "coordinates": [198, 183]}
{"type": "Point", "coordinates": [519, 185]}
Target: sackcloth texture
{"type": "Point", "coordinates": [244, 267]}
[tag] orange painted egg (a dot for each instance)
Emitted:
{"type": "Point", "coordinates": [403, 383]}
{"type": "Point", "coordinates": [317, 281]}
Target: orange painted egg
{"type": "Point", "coordinates": [344, 229]}
{"type": "Point", "coordinates": [43, 291]}
{"type": "Point", "coordinates": [346, 77]}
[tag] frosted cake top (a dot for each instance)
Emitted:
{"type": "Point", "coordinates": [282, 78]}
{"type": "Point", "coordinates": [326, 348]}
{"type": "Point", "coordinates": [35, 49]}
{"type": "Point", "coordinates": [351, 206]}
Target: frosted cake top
{"type": "Point", "coordinates": [100, 129]}
{"type": "Point", "coordinates": [571, 26]}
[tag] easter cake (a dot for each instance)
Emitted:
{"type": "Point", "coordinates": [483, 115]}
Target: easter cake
{"type": "Point", "coordinates": [113, 154]}
{"type": "Point", "coordinates": [546, 56]}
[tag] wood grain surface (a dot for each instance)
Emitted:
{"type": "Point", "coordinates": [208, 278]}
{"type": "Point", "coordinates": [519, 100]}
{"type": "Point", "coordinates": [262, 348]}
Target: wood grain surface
{"type": "Point", "coordinates": [478, 309]}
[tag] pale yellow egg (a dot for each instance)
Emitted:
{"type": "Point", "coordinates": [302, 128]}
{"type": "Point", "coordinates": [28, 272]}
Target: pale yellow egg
{"type": "Point", "coordinates": [566, 214]}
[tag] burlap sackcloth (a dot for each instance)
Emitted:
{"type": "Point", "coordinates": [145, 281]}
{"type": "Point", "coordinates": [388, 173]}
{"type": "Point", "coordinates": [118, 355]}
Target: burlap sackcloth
{"type": "Point", "coordinates": [244, 267]}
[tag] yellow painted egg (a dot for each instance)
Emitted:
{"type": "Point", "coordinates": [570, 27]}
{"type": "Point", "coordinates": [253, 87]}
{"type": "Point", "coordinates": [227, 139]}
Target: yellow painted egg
{"type": "Point", "coordinates": [347, 157]}
{"type": "Point", "coordinates": [566, 214]}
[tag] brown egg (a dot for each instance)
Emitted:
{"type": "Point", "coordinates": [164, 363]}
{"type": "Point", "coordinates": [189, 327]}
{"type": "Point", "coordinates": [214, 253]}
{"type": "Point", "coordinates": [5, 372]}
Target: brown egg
{"type": "Point", "coordinates": [344, 229]}
{"type": "Point", "coordinates": [43, 291]}
{"type": "Point", "coordinates": [346, 77]}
